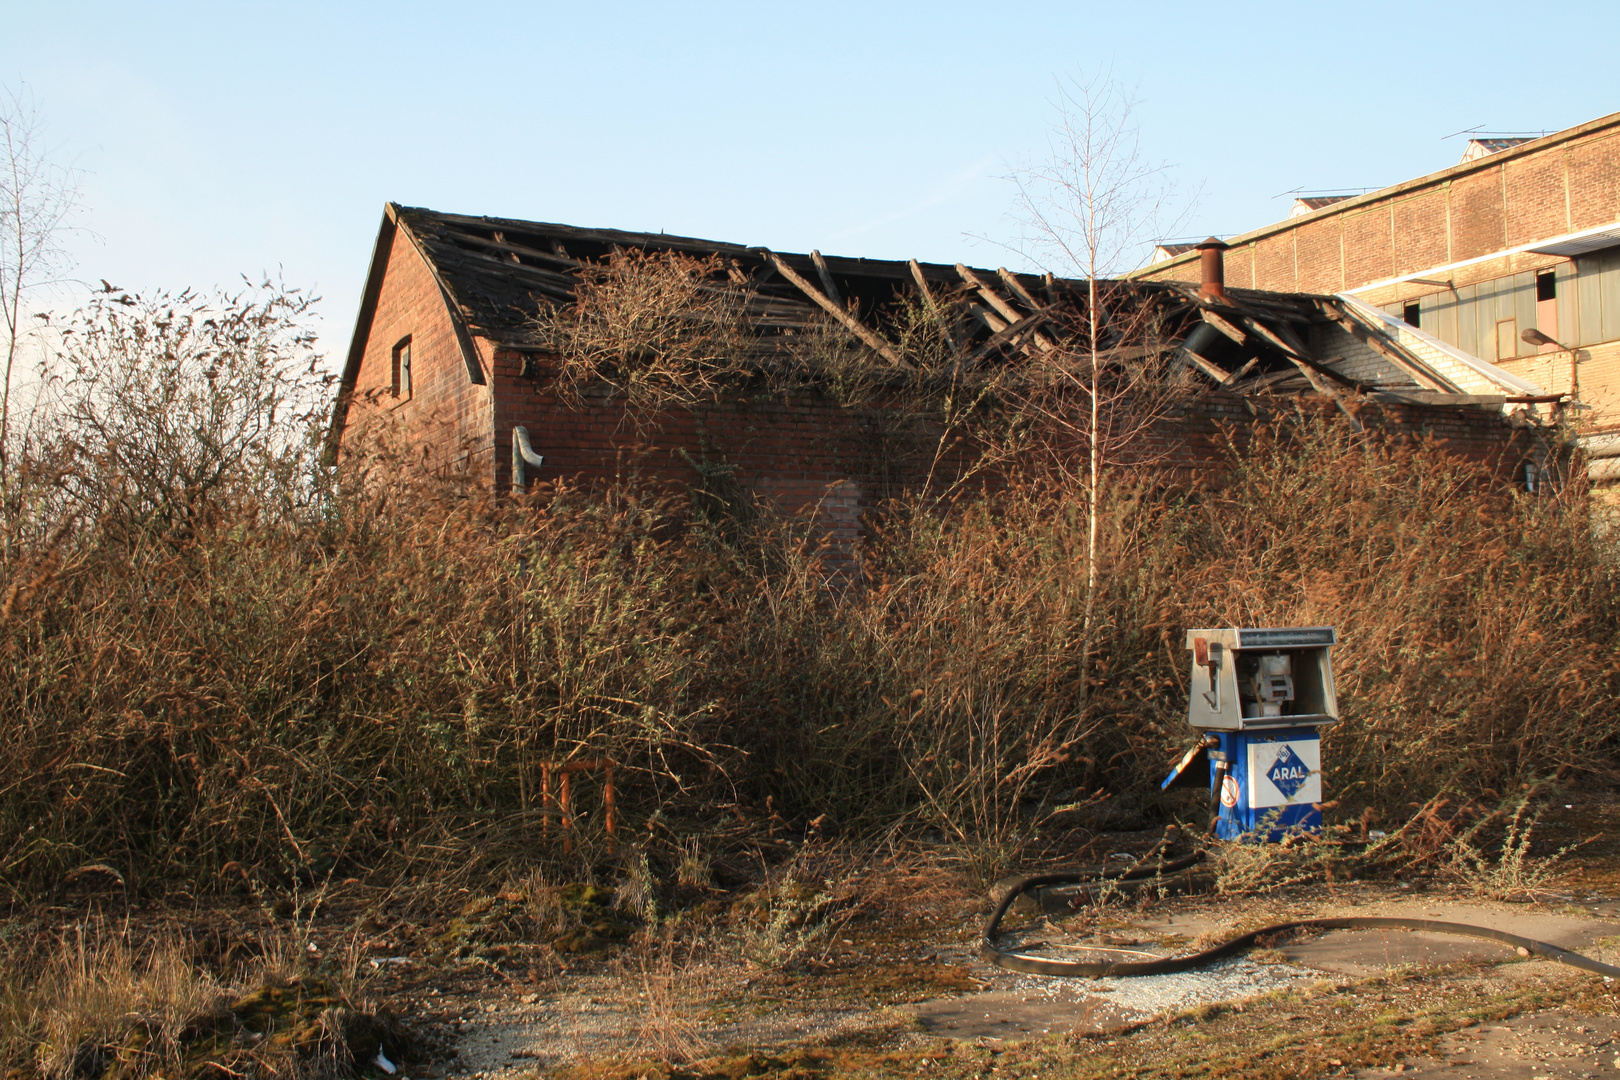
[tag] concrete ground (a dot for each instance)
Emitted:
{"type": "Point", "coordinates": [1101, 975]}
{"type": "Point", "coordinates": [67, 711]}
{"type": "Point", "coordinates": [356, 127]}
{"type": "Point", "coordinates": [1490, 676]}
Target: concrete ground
{"type": "Point", "coordinates": [591, 1016]}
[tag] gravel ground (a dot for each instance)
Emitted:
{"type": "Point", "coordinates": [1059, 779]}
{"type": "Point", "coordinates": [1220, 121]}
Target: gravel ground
{"type": "Point", "coordinates": [1147, 996]}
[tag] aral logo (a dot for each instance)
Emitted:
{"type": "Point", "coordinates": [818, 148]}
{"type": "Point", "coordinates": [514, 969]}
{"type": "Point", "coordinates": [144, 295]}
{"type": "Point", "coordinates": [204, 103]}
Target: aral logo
{"type": "Point", "coordinates": [1288, 772]}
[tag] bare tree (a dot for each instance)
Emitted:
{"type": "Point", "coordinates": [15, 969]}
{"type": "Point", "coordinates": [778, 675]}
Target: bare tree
{"type": "Point", "coordinates": [1089, 210]}
{"type": "Point", "coordinates": [38, 198]}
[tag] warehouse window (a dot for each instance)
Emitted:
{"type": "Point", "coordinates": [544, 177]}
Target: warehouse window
{"type": "Point", "coordinates": [401, 386]}
{"type": "Point", "coordinates": [1546, 286]}
{"type": "Point", "coordinates": [1413, 313]}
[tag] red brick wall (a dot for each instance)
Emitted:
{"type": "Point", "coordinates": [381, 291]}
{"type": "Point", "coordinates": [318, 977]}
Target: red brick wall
{"type": "Point", "coordinates": [1193, 441]}
{"type": "Point", "coordinates": [1318, 258]}
{"type": "Point", "coordinates": [1535, 198]}
{"type": "Point", "coordinates": [1274, 261]}
{"type": "Point", "coordinates": [1368, 244]}
{"type": "Point", "coordinates": [1477, 223]}
{"type": "Point", "coordinates": [811, 456]}
{"type": "Point", "coordinates": [1515, 197]}
{"type": "Point", "coordinates": [1594, 182]}
{"type": "Point", "coordinates": [446, 421]}
{"type": "Point", "coordinates": [1420, 230]}
{"type": "Point", "coordinates": [797, 453]}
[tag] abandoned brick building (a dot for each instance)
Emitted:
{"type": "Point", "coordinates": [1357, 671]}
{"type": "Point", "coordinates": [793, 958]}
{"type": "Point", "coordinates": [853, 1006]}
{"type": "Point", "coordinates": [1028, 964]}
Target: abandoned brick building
{"type": "Point", "coordinates": [448, 351]}
{"type": "Point", "coordinates": [1522, 235]}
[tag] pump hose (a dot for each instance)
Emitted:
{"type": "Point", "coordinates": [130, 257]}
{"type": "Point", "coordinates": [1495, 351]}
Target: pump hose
{"type": "Point", "coordinates": [993, 953]}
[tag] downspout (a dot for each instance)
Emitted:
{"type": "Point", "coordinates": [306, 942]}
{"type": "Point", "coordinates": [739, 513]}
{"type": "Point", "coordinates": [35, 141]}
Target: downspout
{"type": "Point", "coordinates": [522, 454]}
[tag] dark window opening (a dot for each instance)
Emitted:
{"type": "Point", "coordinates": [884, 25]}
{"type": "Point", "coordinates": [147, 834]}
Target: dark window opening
{"type": "Point", "coordinates": [401, 382]}
{"type": "Point", "coordinates": [1413, 314]}
{"type": "Point", "coordinates": [1546, 285]}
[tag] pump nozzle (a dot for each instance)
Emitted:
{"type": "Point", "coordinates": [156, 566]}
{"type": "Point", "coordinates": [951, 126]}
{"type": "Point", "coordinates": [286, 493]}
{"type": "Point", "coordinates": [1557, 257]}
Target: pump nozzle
{"type": "Point", "coordinates": [1207, 655]}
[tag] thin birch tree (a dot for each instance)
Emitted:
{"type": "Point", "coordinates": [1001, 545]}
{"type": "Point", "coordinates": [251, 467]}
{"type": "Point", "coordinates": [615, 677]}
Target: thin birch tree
{"type": "Point", "coordinates": [1090, 209]}
{"type": "Point", "coordinates": [38, 199]}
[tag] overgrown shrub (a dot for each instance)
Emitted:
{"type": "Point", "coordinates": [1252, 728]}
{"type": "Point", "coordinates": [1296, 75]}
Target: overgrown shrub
{"type": "Point", "coordinates": [259, 679]}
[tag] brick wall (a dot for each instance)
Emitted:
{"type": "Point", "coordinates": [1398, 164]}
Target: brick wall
{"type": "Point", "coordinates": [1599, 381]}
{"type": "Point", "coordinates": [446, 419]}
{"type": "Point", "coordinates": [796, 453]}
{"type": "Point", "coordinates": [809, 456]}
{"type": "Point", "coordinates": [1191, 442]}
{"type": "Point", "coordinates": [1564, 183]}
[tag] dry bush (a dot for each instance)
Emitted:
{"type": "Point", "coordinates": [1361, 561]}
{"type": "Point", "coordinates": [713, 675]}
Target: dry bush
{"type": "Point", "coordinates": [665, 976]}
{"type": "Point", "coordinates": [236, 675]}
{"type": "Point", "coordinates": [1487, 851]}
{"type": "Point", "coordinates": [1478, 623]}
{"type": "Point", "coordinates": [659, 328]}
{"type": "Point", "coordinates": [60, 1011]}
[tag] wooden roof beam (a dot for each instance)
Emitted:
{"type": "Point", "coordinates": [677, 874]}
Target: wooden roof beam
{"type": "Point", "coordinates": [1016, 287]}
{"type": "Point", "coordinates": [1223, 326]}
{"type": "Point", "coordinates": [933, 306]}
{"type": "Point", "coordinates": [827, 281]}
{"type": "Point", "coordinates": [1322, 386]}
{"type": "Point", "coordinates": [852, 324]}
{"type": "Point", "coordinates": [1009, 332]}
{"type": "Point", "coordinates": [1208, 367]}
{"type": "Point", "coordinates": [1237, 375]}
{"type": "Point", "coordinates": [1004, 309]}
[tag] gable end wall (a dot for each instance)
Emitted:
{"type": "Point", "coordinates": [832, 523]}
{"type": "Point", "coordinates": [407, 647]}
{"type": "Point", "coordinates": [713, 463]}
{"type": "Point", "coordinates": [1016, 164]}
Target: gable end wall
{"type": "Point", "coordinates": [447, 422]}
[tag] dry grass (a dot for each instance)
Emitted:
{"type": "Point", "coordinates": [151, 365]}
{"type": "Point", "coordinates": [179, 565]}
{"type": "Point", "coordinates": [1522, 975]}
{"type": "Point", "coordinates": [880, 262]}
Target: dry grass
{"type": "Point", "coordinates": [105, 999]}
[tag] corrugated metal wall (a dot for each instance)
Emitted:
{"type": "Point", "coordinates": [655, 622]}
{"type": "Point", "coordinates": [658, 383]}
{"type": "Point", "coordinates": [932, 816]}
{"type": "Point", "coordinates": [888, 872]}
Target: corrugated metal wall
{"type": "Point", "coordinates": [1597, 298]}
{"type": "Point", "coordinates": [1471, 317]}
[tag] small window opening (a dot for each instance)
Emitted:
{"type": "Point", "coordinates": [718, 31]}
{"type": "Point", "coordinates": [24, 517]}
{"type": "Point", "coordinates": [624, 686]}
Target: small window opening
{"type": "Point", "coordinates": [401, 386]}
{"type": "Point", "coordinates": [1413, 314]}
{"type": "Point", "coordinates": [1546, 286]}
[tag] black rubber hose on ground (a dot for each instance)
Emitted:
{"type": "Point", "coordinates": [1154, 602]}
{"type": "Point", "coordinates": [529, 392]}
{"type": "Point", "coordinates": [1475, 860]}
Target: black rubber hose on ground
{"type": "Point", "coordinates": [992, 952]}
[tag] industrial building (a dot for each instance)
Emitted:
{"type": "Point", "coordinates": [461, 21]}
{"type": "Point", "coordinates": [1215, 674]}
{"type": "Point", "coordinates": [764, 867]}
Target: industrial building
{"type": "Point", "coordinates": [1512, 256]}
{"type": "Point", "coordinates": [451, 355]}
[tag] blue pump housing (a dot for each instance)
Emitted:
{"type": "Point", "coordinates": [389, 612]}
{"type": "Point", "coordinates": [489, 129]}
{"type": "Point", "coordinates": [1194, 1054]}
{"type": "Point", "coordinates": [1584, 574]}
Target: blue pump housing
{"type": "Point", "coordinates": [1270, 783]}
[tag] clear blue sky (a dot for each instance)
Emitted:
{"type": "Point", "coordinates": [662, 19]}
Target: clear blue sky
{"type": "Point", "coordinates": [224, 138]}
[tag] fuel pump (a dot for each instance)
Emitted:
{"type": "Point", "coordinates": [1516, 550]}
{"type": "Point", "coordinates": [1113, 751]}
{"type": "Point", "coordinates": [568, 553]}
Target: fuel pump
{"type": "Point", "coordinates": [1259, 700]}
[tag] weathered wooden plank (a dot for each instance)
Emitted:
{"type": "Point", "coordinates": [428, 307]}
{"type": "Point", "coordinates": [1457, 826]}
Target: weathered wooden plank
{"type": "Point", "coordinates": [1017, 288]}
{"type": "Point", "coordinates": [827, 281]}
{"type": "Point", "coordinates": [1266, 334]}
{"type": "Point", "coordinates": [1004, 309]}
{"type": "Point", "coordinates": [928, 298]}
{"type": "Point", "coordinates": [989, 318]}
{"type": "Point", "coordinates": [1213, 370]}
{"type": "Point", "coordinates": [1240, 372]}
{"type": "Point", "coordinates": [1322, 386]}
{"type": "Point", "coordinates": [1293, 340]}
{"type": "Point", "coordinates": [1223, 326]}
{"type": "Point", "coordinates": [1008, 333]}
{"type": "Point", "coordinates": [852, 324]}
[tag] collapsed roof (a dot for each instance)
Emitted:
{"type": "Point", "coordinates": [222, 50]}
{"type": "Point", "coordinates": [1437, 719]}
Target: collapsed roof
{"type": "Point", "coordinates": [500, 275]}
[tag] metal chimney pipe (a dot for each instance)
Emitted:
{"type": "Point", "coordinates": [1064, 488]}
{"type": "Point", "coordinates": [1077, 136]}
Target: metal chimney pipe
{"type": "Point", "coordinates": [1213, 264]}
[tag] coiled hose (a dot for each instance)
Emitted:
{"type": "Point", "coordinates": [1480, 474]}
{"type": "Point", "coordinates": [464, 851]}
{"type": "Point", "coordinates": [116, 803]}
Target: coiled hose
{"type": "Point", "coordinates": [1164, 872]}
